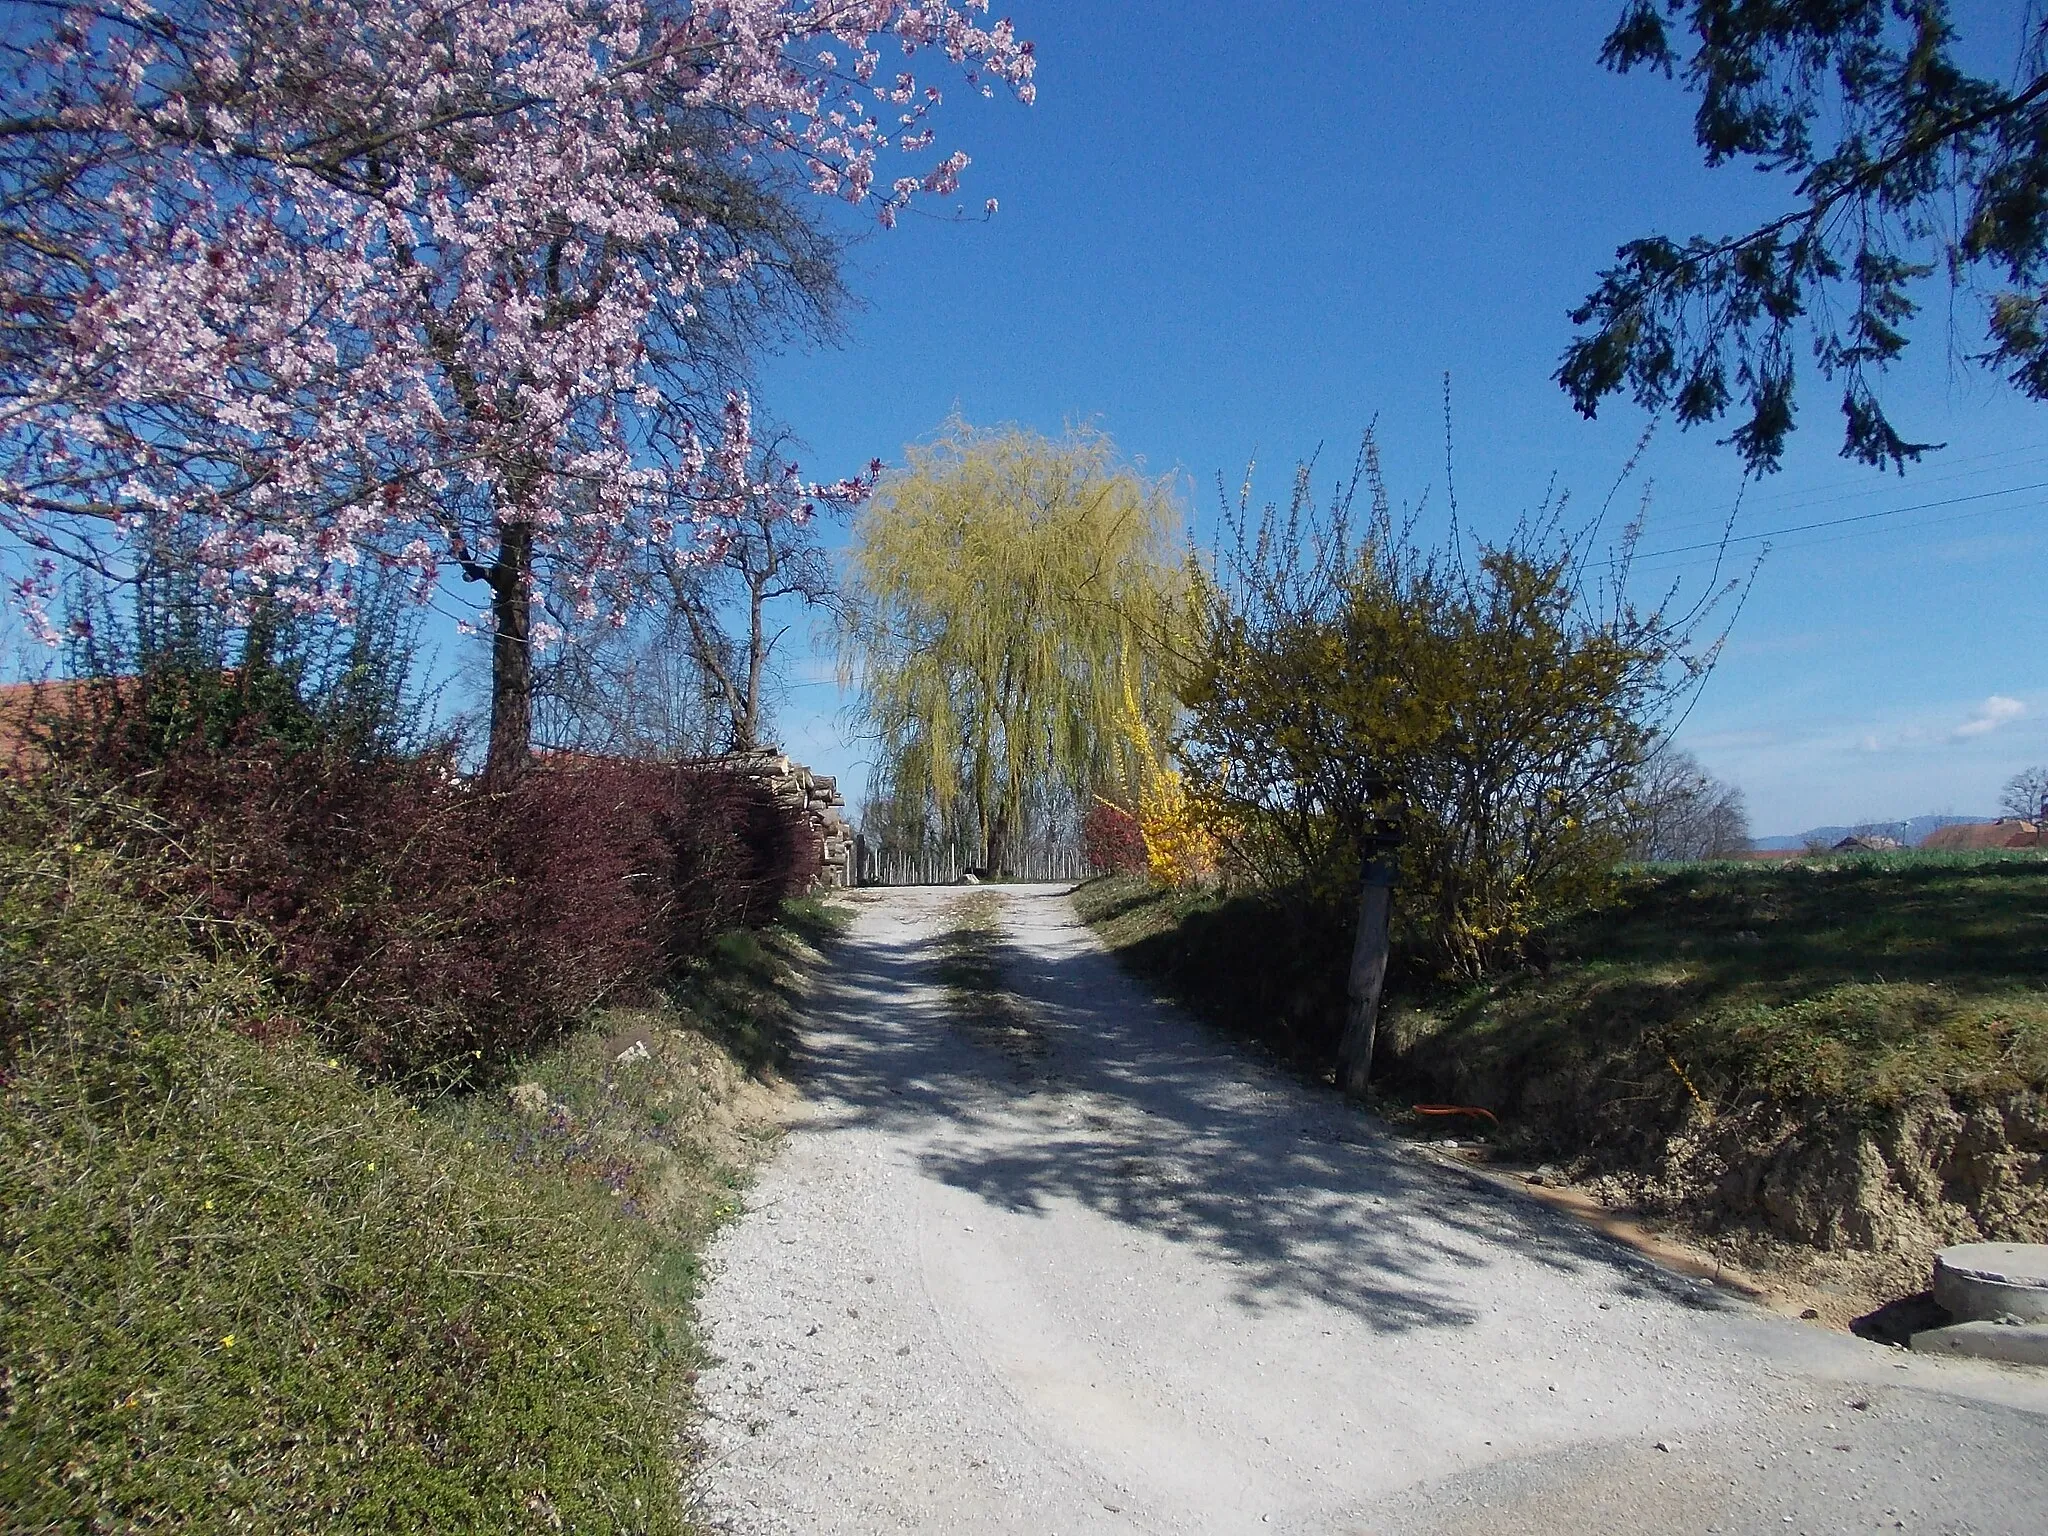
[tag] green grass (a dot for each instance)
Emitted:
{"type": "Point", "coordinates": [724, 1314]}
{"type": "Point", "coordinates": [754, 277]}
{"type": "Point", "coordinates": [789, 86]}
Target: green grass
{"type": "Point", "coordinates": [1846, 985]}
{"type": "Point", "coordinates": [971, 964]}
{"type": "Point", "coordinates": [742, 994]}
{"type": "Point", "coordinates": [1851, 984]}
{"type": "Point", "coordinates": [661, 1108]}
{"type": "Point", "coordinates": [970, 959]}
{"type": "Point", "coordinates": [239, 1290]}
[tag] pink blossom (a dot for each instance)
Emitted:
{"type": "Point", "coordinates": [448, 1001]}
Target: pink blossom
{"type": "Point", "coordinates": [414, 277]}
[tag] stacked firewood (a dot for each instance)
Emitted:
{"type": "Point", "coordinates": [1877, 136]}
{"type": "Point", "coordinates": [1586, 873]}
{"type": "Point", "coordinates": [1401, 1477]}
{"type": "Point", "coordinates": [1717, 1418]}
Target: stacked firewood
{"type": "Point", "coordinates": [817, 796]}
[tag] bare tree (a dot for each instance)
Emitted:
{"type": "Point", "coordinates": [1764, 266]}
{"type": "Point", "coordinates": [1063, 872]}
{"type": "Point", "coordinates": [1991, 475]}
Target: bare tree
{"type": "Point", "coordinates": [636, 693]}
{"type": "Point", "coordinates": [2026, 792]}
{"type": "Point", "coordinates": [766, 551]}
{"type": "Point", "coordinates": [699, 677]}
{"type": "Point", "coordinates": [1681, 812]}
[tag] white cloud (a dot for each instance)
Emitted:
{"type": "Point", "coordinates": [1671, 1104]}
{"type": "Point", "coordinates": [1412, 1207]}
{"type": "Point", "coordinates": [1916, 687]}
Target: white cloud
{"type": "Point", "coordinates": [1991, 714]}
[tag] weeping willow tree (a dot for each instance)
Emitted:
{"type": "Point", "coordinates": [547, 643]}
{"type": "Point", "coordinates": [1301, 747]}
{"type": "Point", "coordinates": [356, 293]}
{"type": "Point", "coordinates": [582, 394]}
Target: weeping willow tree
{"type": "Point", "coordinates": [1017, 595]}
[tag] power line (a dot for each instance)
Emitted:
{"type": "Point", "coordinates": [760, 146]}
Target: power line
{"type": "Point", "coordinates": [1838, 522]}
{"type": "Point", "coordinates": [1698, 561]}
{"type": "Point", "coordinates": [1956, 469]}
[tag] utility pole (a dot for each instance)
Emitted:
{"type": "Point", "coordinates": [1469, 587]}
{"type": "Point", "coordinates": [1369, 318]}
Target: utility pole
{"type": "Point", "coordinates": [1368, 975]}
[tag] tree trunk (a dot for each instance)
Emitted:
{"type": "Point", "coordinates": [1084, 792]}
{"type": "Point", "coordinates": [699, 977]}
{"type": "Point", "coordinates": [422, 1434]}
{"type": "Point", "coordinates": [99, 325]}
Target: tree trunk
{"type": "Point", "coordinates": [511, 657]}
{"type": "Point", "coordinates": [997, 837]}
{"type": "Point", "coordinates": [749, 726]}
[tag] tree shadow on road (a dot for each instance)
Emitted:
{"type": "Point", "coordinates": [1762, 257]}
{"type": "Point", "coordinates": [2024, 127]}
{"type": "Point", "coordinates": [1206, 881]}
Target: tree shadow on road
{"type": "Point", "coordinates": [1142, 1116]}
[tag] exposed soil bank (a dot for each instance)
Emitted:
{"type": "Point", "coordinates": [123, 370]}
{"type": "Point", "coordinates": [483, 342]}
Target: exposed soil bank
{"type": "Point", "coordinates": [1872, 1195]}
{"type": "Point", "coordinates": [1921, 1177]}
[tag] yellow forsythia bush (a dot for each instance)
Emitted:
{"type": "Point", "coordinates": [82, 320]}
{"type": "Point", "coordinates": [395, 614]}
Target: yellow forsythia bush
{"type": "Point", "coordinates": [1180, 847]}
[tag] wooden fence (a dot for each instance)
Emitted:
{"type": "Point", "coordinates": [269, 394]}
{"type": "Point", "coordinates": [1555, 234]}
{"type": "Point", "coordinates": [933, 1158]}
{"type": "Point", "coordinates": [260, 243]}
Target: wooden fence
{"type": "Point", "coordinates": [885, 866]}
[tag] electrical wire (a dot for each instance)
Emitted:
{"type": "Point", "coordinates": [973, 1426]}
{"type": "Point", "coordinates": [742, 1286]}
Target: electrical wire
{"type": "Point", "coordinates": [1839, 522]}
{"type": "Point", "coordinates": [1939, 473]}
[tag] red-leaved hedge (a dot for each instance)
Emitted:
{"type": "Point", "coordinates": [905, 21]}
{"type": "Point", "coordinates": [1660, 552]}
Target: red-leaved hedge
{"type": "Point", "coordinates": [432, 929]}
{"type": "Point", "coordinates": [1112, 840]}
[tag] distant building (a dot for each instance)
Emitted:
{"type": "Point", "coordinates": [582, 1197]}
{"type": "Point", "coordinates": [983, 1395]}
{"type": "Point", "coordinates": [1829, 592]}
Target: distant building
{"type": "Point", "coordinates": [30, 711]}
{"type": "Point", "coordinates": [23, 707]}
{"type": "Point", "coordinates": [1866, 843]}
{"type": "Point", "coordinates": [2006, 832]}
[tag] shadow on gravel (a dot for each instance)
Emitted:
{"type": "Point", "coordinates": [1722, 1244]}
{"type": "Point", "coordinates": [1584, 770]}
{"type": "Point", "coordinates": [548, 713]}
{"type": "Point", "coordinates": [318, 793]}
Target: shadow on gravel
{"type": "Point", "coordinates": [1140, 1115]}
{"type": "Point", "coordinates": [1897, 1321]}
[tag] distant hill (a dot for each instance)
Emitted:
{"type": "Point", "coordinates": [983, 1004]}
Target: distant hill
{"type": "Point", "coordinates": [1907, 832]}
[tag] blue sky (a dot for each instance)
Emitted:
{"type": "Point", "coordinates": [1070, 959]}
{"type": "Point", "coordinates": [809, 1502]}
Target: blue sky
{"type": "Point", "coordinates": [1243, 232]}
{"type": "Point", "coordinates": [1238, 232]}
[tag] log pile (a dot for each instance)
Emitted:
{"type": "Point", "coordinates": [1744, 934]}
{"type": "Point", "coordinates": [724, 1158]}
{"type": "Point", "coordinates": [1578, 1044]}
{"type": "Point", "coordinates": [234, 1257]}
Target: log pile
{"type": "Point", "coordinates": [816, 795]}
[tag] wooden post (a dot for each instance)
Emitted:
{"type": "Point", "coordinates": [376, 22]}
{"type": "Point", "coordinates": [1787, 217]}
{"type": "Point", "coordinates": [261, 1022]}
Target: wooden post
{"type": "Point", "coordinates": [1368, 974]}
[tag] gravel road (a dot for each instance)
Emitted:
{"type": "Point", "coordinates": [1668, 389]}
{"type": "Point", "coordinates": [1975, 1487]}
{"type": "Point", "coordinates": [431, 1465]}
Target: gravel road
{"type": "Point", "coordinates": [1107, 1274]}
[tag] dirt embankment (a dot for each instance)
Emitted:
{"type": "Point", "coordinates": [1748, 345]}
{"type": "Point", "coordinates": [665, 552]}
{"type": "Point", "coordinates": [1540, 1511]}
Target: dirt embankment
{"type": "Point", "coordinates": [1896, 1187]}
{"type": "Point", "coordinates": [1806, 1194]}
{"type": "Point", "coordinates": [1846, 1200]}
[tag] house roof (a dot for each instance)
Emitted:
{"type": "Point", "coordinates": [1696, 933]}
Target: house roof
{"type": "Point", "coordinates": [2007, 832]}
{"type": "Point", "coordinates": [22, 705]}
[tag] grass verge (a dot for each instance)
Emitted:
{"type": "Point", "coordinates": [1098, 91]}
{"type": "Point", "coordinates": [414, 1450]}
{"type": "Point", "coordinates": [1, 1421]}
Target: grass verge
{"type": "Point", "coordinates": [662, 1111]}
{"type": "Point", "coordinates": [239, 1290]}
{"type": "Point", "coordinates": [1258, 967]}
{"type": "Point", "coordinates": [1851, 987]}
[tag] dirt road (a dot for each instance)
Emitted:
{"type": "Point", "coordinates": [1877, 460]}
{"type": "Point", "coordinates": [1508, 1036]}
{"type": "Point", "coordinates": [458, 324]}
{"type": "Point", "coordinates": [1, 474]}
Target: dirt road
{"type": "Point", "coordinates": [1102, 1273]}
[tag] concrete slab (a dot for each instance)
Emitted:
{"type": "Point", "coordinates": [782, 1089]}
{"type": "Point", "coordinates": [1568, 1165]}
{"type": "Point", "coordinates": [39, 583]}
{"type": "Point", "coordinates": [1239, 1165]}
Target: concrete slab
{"type": "Point", "coordinates": [1983, 1282]}
{"type": "Point", "coordinates": [2013, 1343]}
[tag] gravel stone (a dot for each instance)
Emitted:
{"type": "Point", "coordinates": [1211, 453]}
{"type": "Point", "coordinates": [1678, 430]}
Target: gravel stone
{"type": "Point", "coordinates": [1136, 1281]}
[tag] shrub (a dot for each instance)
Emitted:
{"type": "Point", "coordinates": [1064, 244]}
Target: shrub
{"type": "Point", "coordinates": [1485, 713]}
{"type": "Point", "coordinates": [433, 930]}
{"type": "Point", "coordinates": [738, 852]}
{"type": "Point", "coordinates": [1112, 840]}
{"type": "Point", "coordinates": [238, 1291]}
{"type": "Point", "coordinates": [403, 928]}
{"type": "Point", "coordinates": [181, 665]}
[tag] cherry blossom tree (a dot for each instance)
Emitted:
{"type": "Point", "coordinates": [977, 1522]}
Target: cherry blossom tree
{"type": "Point", "coordinates": [448, 285]}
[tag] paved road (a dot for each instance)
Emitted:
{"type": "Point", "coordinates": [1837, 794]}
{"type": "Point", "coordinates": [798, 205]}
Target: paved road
{"type": "Point", "coordinates": [1108, 1275]}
